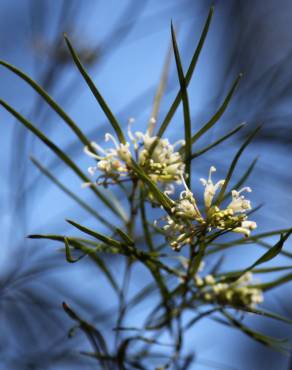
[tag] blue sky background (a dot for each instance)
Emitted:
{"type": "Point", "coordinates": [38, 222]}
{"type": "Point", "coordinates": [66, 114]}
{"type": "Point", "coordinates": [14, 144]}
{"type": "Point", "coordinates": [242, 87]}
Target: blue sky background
{"type": "Point", "coordinates": [244, 37]}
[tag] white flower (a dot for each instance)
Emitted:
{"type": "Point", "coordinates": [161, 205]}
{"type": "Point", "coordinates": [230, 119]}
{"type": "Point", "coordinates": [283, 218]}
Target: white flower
{"type": "Point", "coordinates": [237, 294]}
{"type": "Point", "coordinates": [161, 162]}
{"type": "Point", "coordinates": [210, 187]}
{"type": "Point", "coordinates": [239, 204]}
{"type": "Point", "coordinates": [245, 228]}
{"type": "Point", "coordinates": [186, 222]}
{"type": "Point", "coordinates": [233, 217]}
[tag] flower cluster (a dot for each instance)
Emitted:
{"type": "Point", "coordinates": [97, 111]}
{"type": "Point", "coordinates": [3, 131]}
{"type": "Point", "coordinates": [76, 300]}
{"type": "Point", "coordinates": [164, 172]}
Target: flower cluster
{"type": "Point", "coordinates": [237, 294]}
{"type": "Point", "coordinates": [233, 217]}
{"type": "Point", "coordinates": [186, 221]}
{"type": "Point", "coordinates": [156, 156]}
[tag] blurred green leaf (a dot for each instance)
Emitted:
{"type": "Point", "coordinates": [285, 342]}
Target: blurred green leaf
{"type": "Point", "coordinates": [273, 284]}
{"type": "Point", "coordinates": [73, 196]}
{"type": "Point", "coordinates": [160, 91]}
{"type": "Point", "coordinates": [268, 314]}
{"type": "Point", "coordinates": [94, 336]}
{"type": "Point", "coordinates": [261, 338]}
{"type": "Point", "coordinates": [78, 243]}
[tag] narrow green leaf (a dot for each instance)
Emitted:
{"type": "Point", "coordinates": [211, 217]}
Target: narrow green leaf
{"type": "Point", "coordinates": [268, 314]}
{"type": "Point", "coordinates": [270, 254]}
{"type": "Point", "coordinates": [78, 243]}
{"type": "Point", "coordinates": [256, 271]}
{"type": "Point", "coordinates": [73, 196]}
{"type": "Point", "coordinates": [92, 253]}
{"type": "Point", "coordinates": [50, 101]}
{"type": "Point", "coordinates": [69, 258]}
{"type": "Point", "coordinates": [126, 238]}
{"type": "Point", "coordinates": [219, 141]}
{"type": "Point", "coordinates": [243, 178]}
{"type": "Point", "coordinates": [113, 121]}
{"type": "Point", "coordinates": [261, 338]}
{"type": "Point", "coordinates": [273, 252]}
{"type": "Point", "coordinates": [244, 241]}
{"type": "Point", "coordinates": [273, 284]}
{"type": "Point", "coordinates": [105, 239]}
{"type": "Point", "coordinates": [271, 269]}
{"type": "Point", "coordinates": [189, 74]}
{"type": "Point", "coordinates": [219, 112]}
{"type": "Point", "coordinates": [59, 153]}
{"type": "Point", "coordinates": [186, 108]}
{"type": "Point", "coordinates": [94, 336]}
{"type": "Point", "coordinates": [233, 164]}
{"type": "Point", "coordinates": [199, 317]}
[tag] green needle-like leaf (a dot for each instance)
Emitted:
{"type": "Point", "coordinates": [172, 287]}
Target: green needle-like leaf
{"type": "Point", "coordinates": [219, 112]}
{"type": "Point", "coordinates": [264, 339]}
{"type": "Point", "coordinates": [268, 314]}
{"type": "Point", "coordinates": [217, 142]}
{"type": "Point", "coordinates": [69, 258]}
{"type": "Point", "coordinates": [91, 252]}
{"type": "Point", "coordinates": [186, 108]}
{"type": "Point", "coordinates": [105, 239]}
{"type": "Point", "coordinates": [273, 284]}
{"type": "Point", "coordinates": [126, 238]}
{"type": "Point", "coordinates": [270, 254]}
{"type": "Point", "coordinates": [233, 164]}
{"type": "Point", "coordinates": [243, 178]}
{"type": "Point", "coordinates": [189, 74]}
{"type": "Point", "coordinates": [113, 121]}
{"type": "Point", "coordinates": [50, 101]}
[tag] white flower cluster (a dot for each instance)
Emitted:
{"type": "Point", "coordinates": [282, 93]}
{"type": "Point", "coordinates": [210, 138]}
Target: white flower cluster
{"type": "Point", "coordinates": [233, 217]}
{"type": "Point", "coordinates": [186, 221]}
{"type": "Point", "coordinates": [156, 156]}
{"type": "Point", "coordinates": [237, 294]}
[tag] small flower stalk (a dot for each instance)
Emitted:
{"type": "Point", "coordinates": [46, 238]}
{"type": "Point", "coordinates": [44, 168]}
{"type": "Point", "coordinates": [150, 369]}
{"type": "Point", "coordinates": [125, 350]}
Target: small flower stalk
{"type": "Point", "coordinates": [157, 157]}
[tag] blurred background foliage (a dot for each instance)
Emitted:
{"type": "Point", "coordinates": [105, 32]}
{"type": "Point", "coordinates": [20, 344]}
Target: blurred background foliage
{"type": "Point", "coordinates": [124, 45]}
